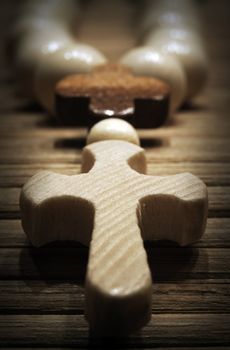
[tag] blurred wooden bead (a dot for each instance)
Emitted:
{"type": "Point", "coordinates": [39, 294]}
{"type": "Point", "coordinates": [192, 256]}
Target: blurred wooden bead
{"type": "Point", "coordinates": [70, 59]}
{"type": "Point", "coordinates": [62, 11]}
{"type": "Point", "coordinates": [33, 49]}
{"type": "Point", "coordinates": [182, 34]}
{"type": "Point", "coordinates": [189, 52]}
{"type": "Point", "coordinates": [169, 14]}
{"type": "Point", "coordinates": [148, 61]}
{"type": "Point", "coordinates": [113, 129]}
{"type": "Point", "coordinates": [44, 19]}
{"type": "Point", "coordinates": [42, 28]}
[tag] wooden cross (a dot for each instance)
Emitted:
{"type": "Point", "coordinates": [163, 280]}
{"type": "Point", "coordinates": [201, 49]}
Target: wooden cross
{"type": "Point", "coordinates": [111, 207]}
{"type": "Point", "coordinates": [111, 90]}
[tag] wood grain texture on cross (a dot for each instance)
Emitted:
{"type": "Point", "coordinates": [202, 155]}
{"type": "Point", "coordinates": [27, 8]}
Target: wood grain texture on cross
{"type": "Point", "coordinates": [112, 206]}
{"type": "Point", "coordinates": [111, 90]}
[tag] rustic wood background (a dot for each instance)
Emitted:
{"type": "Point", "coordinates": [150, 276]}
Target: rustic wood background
{"type": "Point", "coordinates": [41, 290]}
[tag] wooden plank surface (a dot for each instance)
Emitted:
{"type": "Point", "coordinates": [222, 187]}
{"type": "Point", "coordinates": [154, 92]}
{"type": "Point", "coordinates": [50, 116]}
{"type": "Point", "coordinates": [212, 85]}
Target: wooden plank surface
{"type": "Point", "coordinates": [42, 290]}
{"type": "Point", "coordinates": [27, 296]}
{"type": "Point", "coordinates": [72, 330]}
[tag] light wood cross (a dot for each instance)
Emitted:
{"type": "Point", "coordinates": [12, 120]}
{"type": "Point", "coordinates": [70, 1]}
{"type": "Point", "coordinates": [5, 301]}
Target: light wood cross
{"type": "Point", "coordinates": [112, 207]}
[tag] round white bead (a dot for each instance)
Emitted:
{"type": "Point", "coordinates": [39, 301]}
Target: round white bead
{"type": "Point", "coordinates": [169, 14]}
{"type": "Point", "coordinates": [44, 18]}
{"type": "Point", "coordinates": [189, 52]}
{"type": "Point", "coordinates": [182, 34]}
{"type": "Point", "coordinates": [43, 27]}
{"type": "Point", "coordinates": [70, 59]}
{"type": "Point", "coordinates": [32, 50]}
{"type": "Point", "coordinates": [60, 10]}
{"type": "Point", "coordinates": [39, 27]}
{"type": "Point", "coordinates": [113, 129]}
{"type": "Point", "coordinates": [147, 61]}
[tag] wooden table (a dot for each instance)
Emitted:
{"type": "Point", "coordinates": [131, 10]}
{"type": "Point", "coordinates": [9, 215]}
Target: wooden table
{"type": "Point", "coordinates": [41, 290]}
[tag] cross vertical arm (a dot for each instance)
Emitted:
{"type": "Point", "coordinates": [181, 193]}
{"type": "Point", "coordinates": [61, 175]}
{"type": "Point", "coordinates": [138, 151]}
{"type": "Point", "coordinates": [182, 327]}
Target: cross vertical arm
{"type": "Point", "coordinates": [118, 281]}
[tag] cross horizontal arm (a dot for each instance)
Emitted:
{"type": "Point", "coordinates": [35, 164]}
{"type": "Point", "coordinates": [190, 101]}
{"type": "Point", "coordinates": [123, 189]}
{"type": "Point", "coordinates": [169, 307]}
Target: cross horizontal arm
{"type": "Point", "coordinates": [52, 209]}
{"type": "Point", "coordinates": [173, 208]}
